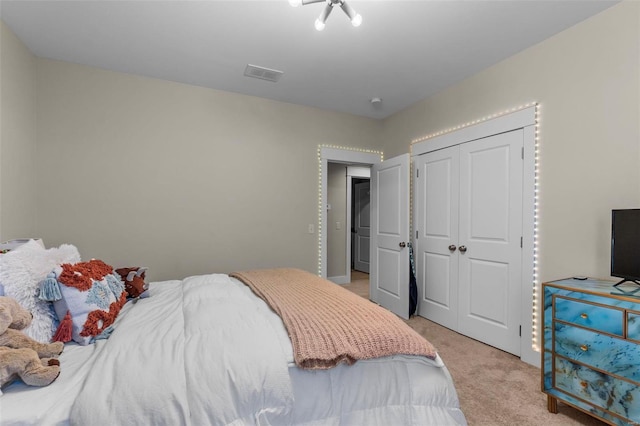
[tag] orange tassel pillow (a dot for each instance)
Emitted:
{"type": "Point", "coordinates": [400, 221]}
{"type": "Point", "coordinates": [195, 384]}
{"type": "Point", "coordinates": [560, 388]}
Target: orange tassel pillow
{"type": "Point", "coordinates": [87, 298]}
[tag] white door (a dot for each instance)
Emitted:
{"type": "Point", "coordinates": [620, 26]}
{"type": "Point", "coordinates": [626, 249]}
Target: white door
{"type": "Point", "coordinates": [436, 222]}
{"type": "Point", "coordinates": [389, 259]}
{"type": "Point", "coordinates": [469, 225]}
{"type": "Point", "coordinates": [489, 243]}
{"type": "Point", "coordinates": [362, 227]}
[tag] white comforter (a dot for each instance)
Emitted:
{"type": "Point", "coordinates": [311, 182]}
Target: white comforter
{"type": "Point", "coordinates": [206, 351]}
{"type": "Point", "coordinates": [196, 352]}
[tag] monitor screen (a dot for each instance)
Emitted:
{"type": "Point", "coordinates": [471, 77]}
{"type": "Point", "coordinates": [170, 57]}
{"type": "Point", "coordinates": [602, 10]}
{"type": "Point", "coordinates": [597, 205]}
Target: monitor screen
{"type": "Point", "coordinates": [625, 244]}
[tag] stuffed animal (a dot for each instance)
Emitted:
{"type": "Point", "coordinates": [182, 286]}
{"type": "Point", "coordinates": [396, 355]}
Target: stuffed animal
{"type": "Point", "coordinates": [21, 356]}
{"type": "Point", "coordinates": [133, 280]}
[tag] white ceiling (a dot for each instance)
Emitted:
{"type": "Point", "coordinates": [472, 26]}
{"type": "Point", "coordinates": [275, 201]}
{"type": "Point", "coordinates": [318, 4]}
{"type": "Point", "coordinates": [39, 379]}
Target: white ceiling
{"type": "Point", "coordinates": [403, 52]}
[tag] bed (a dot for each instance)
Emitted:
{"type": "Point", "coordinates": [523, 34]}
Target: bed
{"type": "Point", "coordinates": [208, 350]}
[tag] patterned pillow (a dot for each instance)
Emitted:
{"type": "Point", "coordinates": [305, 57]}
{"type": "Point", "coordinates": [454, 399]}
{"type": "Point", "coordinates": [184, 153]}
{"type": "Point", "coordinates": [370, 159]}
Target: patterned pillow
{"type": "Point", "coordinates": [90, 298]}
{"type": "Point", "coordinates": [22, 269]}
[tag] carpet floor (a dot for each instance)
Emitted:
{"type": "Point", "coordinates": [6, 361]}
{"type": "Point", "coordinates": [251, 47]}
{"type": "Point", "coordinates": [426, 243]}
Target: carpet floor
{"type": "Point", "coordinates": [495, 388]}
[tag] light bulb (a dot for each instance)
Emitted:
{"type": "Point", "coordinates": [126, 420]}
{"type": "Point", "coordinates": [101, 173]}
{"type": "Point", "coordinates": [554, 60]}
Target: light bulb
{"type": "Point", "coordinates": [295, 3]}
{"type": "Point", "coordinates": [320, 22]}
{"type": "Point", "coordinates": [357, 20]}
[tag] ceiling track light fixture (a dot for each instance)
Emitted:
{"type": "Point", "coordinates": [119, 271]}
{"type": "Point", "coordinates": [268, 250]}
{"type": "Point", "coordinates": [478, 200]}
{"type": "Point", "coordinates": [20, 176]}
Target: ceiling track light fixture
{"type": "Point", "coordinates": [355, 18]}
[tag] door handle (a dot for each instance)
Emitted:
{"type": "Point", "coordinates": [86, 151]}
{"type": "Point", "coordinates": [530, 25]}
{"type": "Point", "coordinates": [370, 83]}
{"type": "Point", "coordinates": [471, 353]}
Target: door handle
{"type": "Point", "coordinates": [402, 244]}
{"type": "Point", "coordinates": [463, 249]}
{"type": "Point", "coordinates": [452, 248]}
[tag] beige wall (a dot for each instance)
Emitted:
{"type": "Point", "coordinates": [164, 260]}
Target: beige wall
{"type": "Point", "coordinates": [17, 138]}
{"type": "Point", "coordinates": [587, 80]}
{"type": "Point", "coordinates": [337, 238]}
{"type": "Point", "coordinates": [185, 180]}
{"type": "Point", "coordinates": [190, 180]}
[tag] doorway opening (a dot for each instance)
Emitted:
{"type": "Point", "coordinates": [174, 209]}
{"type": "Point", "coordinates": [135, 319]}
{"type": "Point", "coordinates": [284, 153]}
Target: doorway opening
{"type": "Point", "coordinates": [350, 163]}
{"type": "Point", "coordinates": [347, 220]}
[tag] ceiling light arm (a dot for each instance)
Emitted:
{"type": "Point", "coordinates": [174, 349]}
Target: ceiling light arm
{"type": "Point", "coordinates": [296, 3]}
{"type": "Point", "coordinates": [355, 18]}
{"type": "Point", "coordinates": [323, 16]}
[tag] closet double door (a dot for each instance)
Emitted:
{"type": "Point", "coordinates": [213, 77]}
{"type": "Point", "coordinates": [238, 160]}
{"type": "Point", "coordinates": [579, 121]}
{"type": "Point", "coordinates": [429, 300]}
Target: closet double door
{"type": "Point", "coordinates": [469, 237]}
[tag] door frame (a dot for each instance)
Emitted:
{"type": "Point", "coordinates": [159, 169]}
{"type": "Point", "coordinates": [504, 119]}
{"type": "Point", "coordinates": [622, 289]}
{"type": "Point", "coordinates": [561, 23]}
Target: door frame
{"type": "Point", "coordinates": [526, 118]}
{"type": "Point", "coordinates": [337, 154]}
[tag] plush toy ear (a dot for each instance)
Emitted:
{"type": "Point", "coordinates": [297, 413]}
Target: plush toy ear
{"type": "Point", "coordinates": [131, 275]}
{"type": "Point", "coordinates": [12, 315]}
{"type": "Point", "coordinates": [5, 317]}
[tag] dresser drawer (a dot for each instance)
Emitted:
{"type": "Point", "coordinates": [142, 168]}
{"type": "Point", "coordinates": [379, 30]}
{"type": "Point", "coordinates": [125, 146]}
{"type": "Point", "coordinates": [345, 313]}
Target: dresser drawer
{"type": "Point", "coordinates": [601, 390]}
{"type": "Point", "coordinates": [633, 325]}
{"type": "Point", "coordinates": [596, 317]}
{"type": "Point", "coordinates": [599, 351]}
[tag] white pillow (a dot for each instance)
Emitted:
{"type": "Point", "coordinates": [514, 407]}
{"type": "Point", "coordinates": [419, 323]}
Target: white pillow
{"type": "Point", "coordinates": [21, 271]}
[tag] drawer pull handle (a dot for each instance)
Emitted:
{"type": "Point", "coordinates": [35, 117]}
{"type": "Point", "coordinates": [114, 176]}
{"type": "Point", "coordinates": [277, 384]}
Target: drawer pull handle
{"type": "Point", "coordinates": [584, 316]}
{"type": "Point", "coordinates": [584, 348]}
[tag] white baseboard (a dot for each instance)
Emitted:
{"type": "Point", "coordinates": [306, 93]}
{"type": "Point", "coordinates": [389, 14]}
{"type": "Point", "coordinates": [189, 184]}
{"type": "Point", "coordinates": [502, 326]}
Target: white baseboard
{"type": "Point", "coordinates": [339, 280]}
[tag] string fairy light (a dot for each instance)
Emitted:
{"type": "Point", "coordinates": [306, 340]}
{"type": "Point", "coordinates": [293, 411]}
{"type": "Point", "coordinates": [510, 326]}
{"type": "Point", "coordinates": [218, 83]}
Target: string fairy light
{"type": "Point", "coordinates": [471, 123]}
{"type": "Point", "coordinates": [536, 218]}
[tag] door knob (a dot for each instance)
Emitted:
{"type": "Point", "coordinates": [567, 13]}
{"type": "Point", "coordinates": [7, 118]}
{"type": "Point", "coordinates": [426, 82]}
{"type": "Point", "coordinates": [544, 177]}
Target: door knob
{"type": "Point", "coordinates": [463, 249]}
{"type": "Point", "coordinates": [402, 244]}
{"type": "Point", "coordinates": [452, 248]}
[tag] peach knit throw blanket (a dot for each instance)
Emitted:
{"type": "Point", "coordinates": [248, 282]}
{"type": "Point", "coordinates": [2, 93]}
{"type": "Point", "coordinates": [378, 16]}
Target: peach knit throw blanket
{"type": "Point", "coordinates": [328, 324]}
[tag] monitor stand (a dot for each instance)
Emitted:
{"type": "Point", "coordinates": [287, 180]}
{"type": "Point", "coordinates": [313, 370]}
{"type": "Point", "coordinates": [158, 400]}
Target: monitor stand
{"type": "Point", "coordinates": [622, 292]}
{"type": "Point", "coordinates": [624, 281]}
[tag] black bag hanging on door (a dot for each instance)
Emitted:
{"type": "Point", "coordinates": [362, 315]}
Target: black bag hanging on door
{"type": "Point", "coordinates": [413, 286]}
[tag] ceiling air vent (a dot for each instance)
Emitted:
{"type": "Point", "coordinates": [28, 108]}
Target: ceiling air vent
{"type": "Point", "coordinates": [262, 73]}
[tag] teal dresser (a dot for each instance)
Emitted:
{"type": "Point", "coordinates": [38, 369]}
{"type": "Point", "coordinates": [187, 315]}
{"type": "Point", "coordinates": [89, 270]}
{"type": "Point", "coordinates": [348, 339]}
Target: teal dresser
{"type": "Point", "coordinates": [591, 349]}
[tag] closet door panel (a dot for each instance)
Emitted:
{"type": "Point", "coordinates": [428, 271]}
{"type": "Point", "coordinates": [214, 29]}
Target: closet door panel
{"type": "Point", "coordinates": [489, 286]}
{"type": "Point", "coordinates": [437, 226]}
{"type": "Point", "coordinates": [490, 237]}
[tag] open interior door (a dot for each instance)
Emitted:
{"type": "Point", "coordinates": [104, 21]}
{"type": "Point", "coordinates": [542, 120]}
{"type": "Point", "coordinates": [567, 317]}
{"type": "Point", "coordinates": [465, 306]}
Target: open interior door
{"type": "Point", "coordinates": [362, 227]}
{"type": "Point", "coordinates": [389, 258]}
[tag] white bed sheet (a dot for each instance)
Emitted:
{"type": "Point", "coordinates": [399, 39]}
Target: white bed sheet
{"type": "Point", "coordinates": [399, 390]}
{"type": "Point", "coordinates": [50, 405]}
